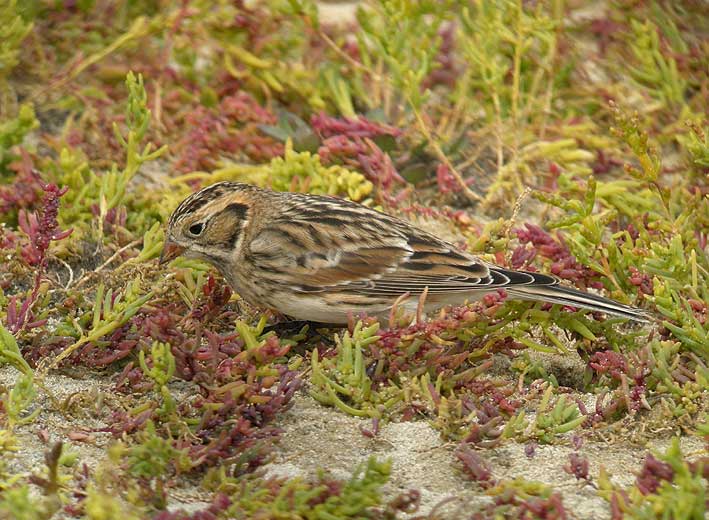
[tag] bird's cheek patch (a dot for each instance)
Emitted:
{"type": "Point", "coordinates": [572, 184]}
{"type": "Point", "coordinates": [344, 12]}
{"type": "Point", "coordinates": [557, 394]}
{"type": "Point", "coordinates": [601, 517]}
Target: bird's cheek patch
{"type": "Point", "coordinates": [224, 231]}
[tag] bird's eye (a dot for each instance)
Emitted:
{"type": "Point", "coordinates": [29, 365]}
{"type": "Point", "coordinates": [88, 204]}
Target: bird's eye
{"type": "Point", "coordinates": [196, 229]}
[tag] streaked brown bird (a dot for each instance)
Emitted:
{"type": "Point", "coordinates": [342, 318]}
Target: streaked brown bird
{"type": "Point", "coordinates": [320, 258]}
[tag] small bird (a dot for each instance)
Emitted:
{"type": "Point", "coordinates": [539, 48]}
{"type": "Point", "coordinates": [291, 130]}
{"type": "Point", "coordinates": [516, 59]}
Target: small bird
{"type": "Point", "coordinates": [321, 259]}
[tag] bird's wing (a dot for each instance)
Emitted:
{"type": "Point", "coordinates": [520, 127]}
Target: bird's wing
{"type": "Point", "coordinates": [339, 246]}
{"type": "Point", "coordinates": [314, 255]}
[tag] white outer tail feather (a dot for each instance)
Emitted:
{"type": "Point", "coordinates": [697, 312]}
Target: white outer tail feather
{"type": "Point", "coordinates": [567, 296]}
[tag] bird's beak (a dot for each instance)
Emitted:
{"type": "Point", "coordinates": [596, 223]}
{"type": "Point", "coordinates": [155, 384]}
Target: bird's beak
{"type": "Point", "coordinates": [170, 251]}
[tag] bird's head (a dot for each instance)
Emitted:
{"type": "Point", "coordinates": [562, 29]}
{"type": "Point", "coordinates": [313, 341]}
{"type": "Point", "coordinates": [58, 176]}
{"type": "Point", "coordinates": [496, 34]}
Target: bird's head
{"type": "Point", "coordinates": [209, 224]}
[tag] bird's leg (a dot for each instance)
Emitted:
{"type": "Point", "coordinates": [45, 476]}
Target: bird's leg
{"type": "Point", "coordinates": [288, 326]}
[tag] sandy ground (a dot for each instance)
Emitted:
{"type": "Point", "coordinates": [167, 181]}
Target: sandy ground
{"type": "Point", "coordinates": [316, 437]}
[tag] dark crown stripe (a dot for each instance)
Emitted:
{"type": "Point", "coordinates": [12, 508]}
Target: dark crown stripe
{"type": "Point", "coordinates": [200, 199]}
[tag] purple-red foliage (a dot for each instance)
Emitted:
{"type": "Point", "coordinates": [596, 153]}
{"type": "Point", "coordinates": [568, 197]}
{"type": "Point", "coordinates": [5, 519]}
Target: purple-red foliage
{"type": "Point", "coordinates": [373, 431]}
{"type": "Point", "coordinates": [216, 296]}
{"type": "Point", "coordinates": [396, 360]}
{"type": "Point", "coordinates": [8, 239]}
{"type": "Point", "coordinates": [699, 309]}
{"type": "Point", "coordinates": [492, 301]}
{"type": "Point", "coordinates": [236, 401]}
{"type": "Point", "coordinates": [154, 322]}
{"type": "Point", "coordinates": [115, 219]}
{"type": "Point", "coordinates": [475, 467]}
{"type": "Point", "coordinates": [446, 68]}
{"type": "Point", "coordinates": [457, 216]}
{"type": "Point", "coordinates": [488, 398]}
{"type": "Point", "coordinates": [609, 362]}
{"type": "Point", "coordinates": [82, 478]}
{"type": "Point", "coordinates": [20, 315]}
{"type": "Point", "coordinates": [235, 420]}
{"type": "Point", "coordinates": [327, 126]}
{"type": "Point", "coordinates": [161, 324]}
{"type": "Point", "coordinates": [700, 466]}
{"type": "Point", "coordinates": [183, 329]}
{"type": "Point", "coordinates": [230, 128]}
{"type": "Point", "coordinates": [122, 422]}
{"type": "Point", "coordinates": [350, 141]}
{"type": "Point", "coordinates": [551, 508]}
{"type": "Point", "coordinates": [603, 411]}
{"type": "Point", "coordinates": [530, 508]}
{"type": "Point", "coordinates": [494, 399]}
{"type": "Point", "coordinates": [640, 280]}
{"type": "Point", "coordinates": [625, 398]}
{"type": "Point", "coordinates": [652, 474]}
{"type": "Point", "coordinates": [330, 487]}
{"type": "Point", "coordinates": [48, 346]}
{"type": "Point", "coordinates": [350, 46]}
{"type": "Point", "coordinates": [132, 379]}
{"type": "Point", "coordinates": [41, 231]}
{"type": "Point", "coordinates": [605, 30]}
{"type": "Point", "coordinates": [702, 239]}
{"type": "Point", "coordinates": [487, 432]}
{"type": "Point", "coordinates": [619, 502]}
{"type": "Point", "coordinates": [174, 325]}
{"type": "Point", "coordinates": [578, 467]}
{"type": "Point", "coordinates": [629, 373]}
{"type": "Point", "coordinates": [564, 264]}
{"type": "Point", "coordinates": [447, 183]}
{"type": "Point", "coordinates": [120, 344]}
{"type": "Point", "coordinates": [44, 228]}
{"type": "Point", "coordinates": [391, 348]}
{"type": "Point", "coordinates": [26, 188]}
{"type": "Point", "coordinates": [605, 164]}
{"type": "Point", "coordinates": [406, 502]}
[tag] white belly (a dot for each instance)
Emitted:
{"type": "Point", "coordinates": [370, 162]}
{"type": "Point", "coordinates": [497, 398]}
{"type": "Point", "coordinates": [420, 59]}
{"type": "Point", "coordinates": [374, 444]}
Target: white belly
{"type": "Point", "coordinates": [312, 308]}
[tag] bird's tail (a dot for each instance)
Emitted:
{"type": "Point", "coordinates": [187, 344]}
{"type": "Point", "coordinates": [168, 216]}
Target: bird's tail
{"type": "Point", "coordinates": [556, 293]}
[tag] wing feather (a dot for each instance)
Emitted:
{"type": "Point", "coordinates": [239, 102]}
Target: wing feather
{"type": "Point", "coordinates": [349, 248]}
{"type": "Point", "coordinates": [297, 252]}
{"type": "Point", "coordinates": [355, 258]}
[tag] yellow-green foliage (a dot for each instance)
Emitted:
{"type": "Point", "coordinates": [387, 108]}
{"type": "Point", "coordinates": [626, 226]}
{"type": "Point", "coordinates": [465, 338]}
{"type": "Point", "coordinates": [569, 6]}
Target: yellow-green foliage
{"type": "Point", "coordinates": [17, 502]}
{"type": "Point", "coordinates": [304, 172]}
{"type": "Point", "coordinates": [13, 131]}
{"type": "Point", "coordinates": [102, 505]}
{"type": "Point", "coordinates": [343, 381]}
{"type": "Point", "coordinates": [13, 29]}
{"type": "Point", "coordinates": [655, 71]}
{"type": "Point", "coordinates": [299, 499]}
{"type": "Point", "coordinates": [555, 418]}
{"type": "Point", "coordinates": [8, 449]}
{"type": "Point", "coordinates": [295, 171]}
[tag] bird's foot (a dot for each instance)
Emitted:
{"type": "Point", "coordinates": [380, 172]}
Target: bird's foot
{"type": "Point", "coordinates": [291, 327]}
